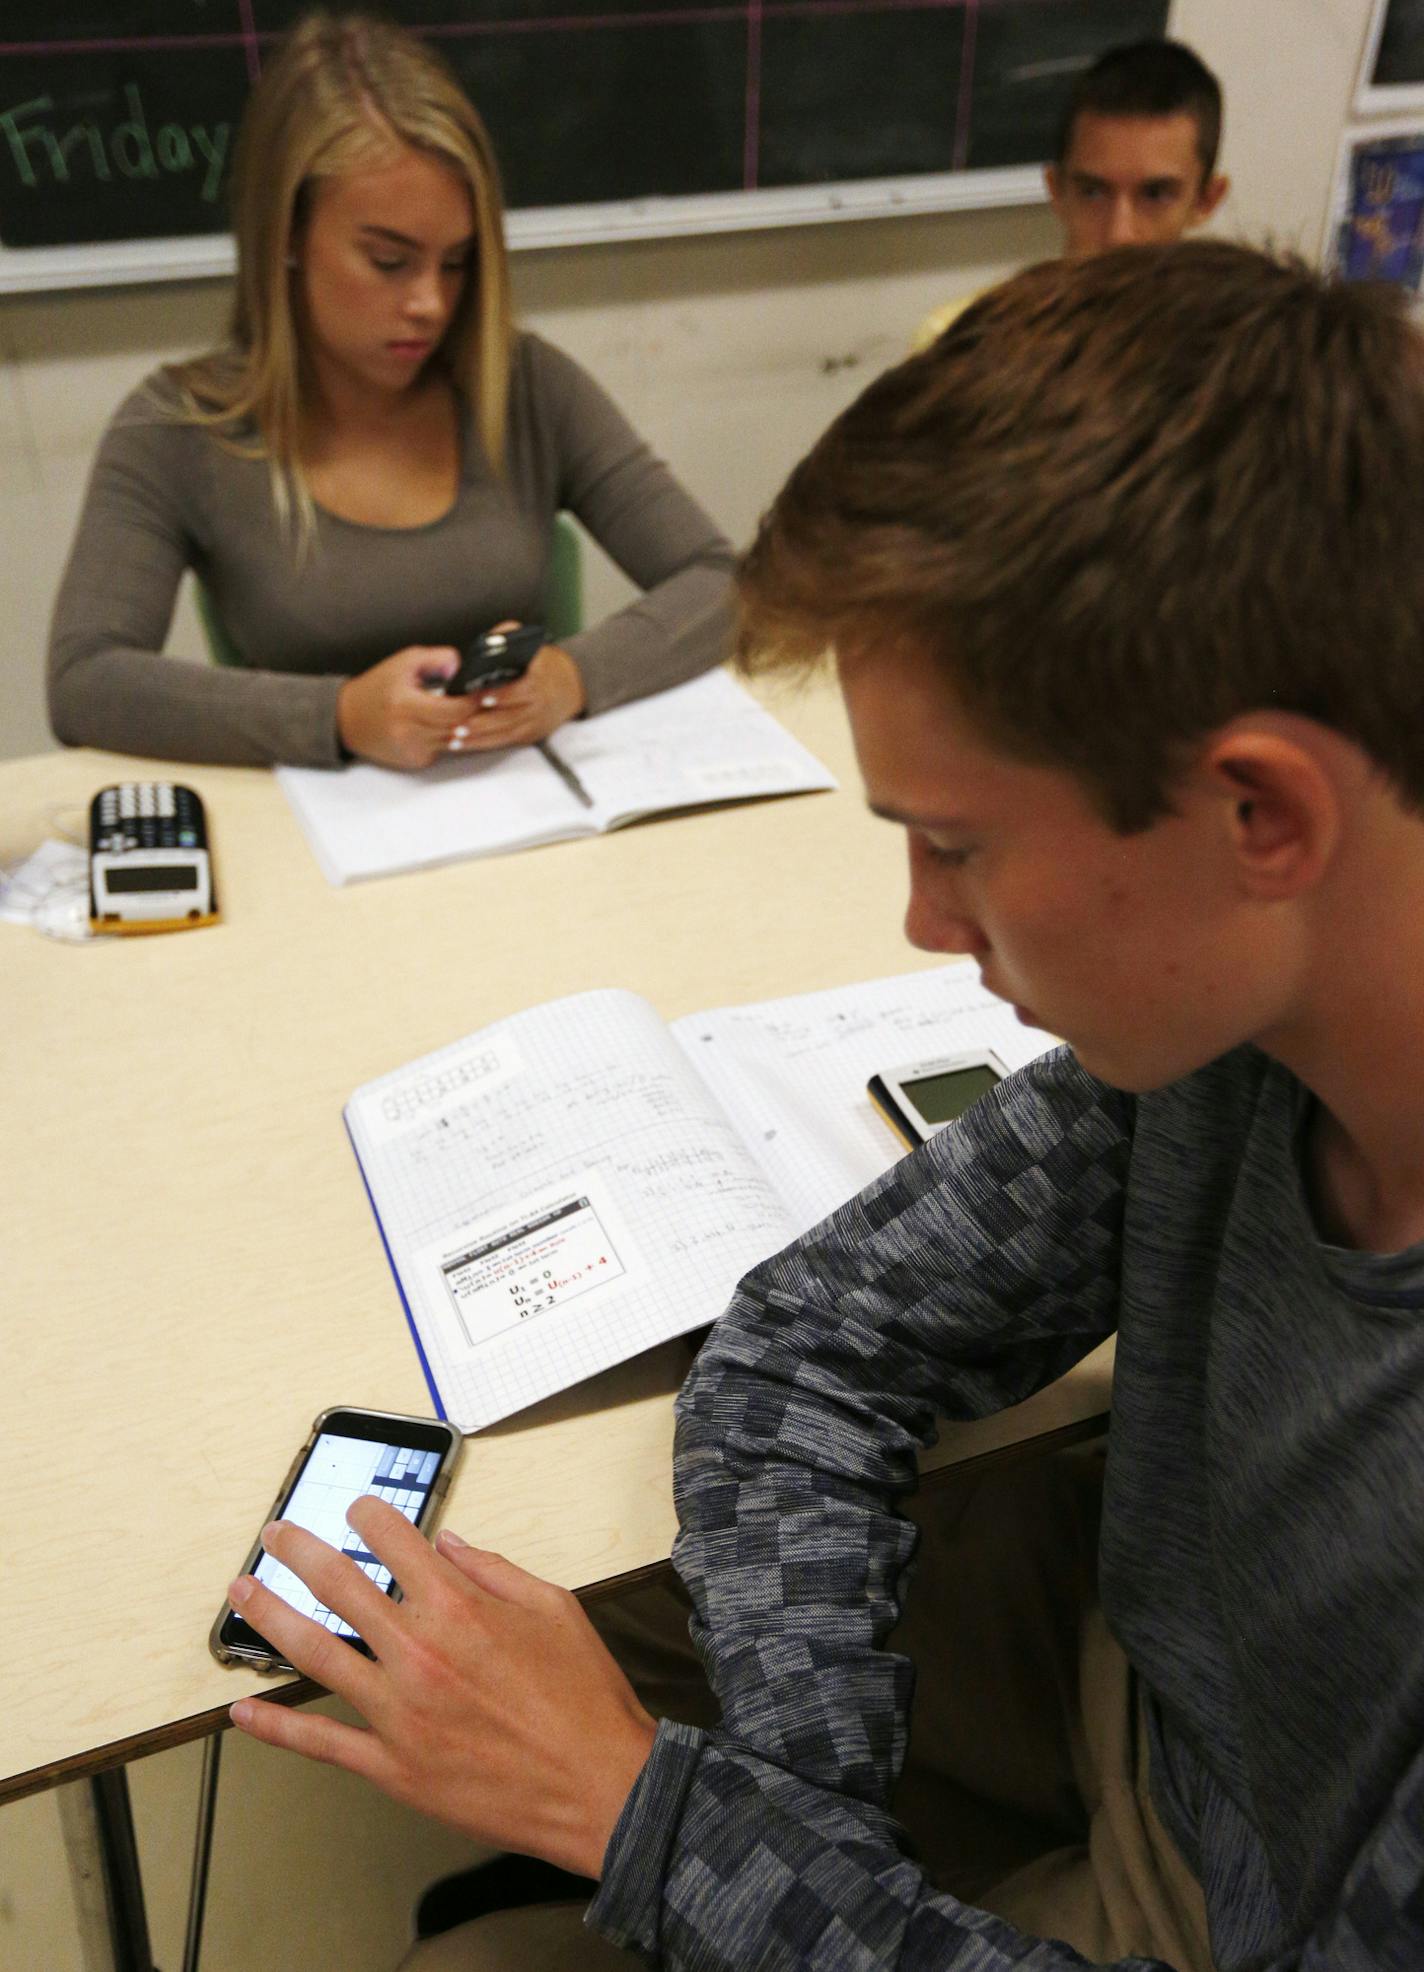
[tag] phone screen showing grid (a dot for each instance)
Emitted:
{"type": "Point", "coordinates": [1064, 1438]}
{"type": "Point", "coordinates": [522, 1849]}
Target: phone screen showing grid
{"type": "Point", "coordinates": [339, 1470]}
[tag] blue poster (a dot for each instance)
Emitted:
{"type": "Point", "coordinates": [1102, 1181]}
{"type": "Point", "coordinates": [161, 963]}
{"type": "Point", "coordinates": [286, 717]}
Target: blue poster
{"type": "Point", "coordinates": [1381, 237]}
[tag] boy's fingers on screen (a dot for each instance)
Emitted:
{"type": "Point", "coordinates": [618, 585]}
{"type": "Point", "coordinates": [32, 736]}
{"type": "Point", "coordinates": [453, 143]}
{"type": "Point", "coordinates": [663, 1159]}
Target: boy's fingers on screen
{"type": "Point", "coordinates": [427, 1571]}
{"type": "Point", "coordinates": [390, 1536]}
{"type": "Point", "coordinates": [339, 1582]}
{"type": "Point", "coordinates": [306, 1645]}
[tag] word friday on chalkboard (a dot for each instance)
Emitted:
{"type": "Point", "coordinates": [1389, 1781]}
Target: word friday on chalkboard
{"type": "Point", "coordinates": [117, 117]}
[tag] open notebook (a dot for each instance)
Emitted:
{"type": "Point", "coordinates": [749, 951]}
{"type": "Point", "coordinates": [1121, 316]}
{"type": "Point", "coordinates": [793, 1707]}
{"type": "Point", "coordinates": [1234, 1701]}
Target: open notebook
{"type": "Point", "coordinates": [690, 747]}
{"type": "Point", "coordinates": [583, 1180]}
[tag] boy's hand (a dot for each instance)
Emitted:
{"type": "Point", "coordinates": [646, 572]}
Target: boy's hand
{"type": "Point", "coordinates": [491, 1702]}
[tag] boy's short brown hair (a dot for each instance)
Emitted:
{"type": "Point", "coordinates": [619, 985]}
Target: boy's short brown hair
{"type": "Point", "coordinates": [1147, 79]}
{"type": "Point", "coordinates": [1123, 500]}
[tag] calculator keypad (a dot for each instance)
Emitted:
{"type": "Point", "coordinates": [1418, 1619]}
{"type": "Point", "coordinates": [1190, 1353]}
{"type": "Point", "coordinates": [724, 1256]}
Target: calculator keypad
{"type": "Point", "coordinates": [146, 815]}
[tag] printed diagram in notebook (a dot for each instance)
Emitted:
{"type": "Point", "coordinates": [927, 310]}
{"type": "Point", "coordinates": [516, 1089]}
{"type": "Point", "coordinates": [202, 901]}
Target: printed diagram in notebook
{"type": "Point", "coordinates": [516, 1267]}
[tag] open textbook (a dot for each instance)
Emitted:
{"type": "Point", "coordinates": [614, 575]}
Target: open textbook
{"type": "Point", "coordinates": [583, 1180]}
{"type": "Point", "coordinates": [690, 747]}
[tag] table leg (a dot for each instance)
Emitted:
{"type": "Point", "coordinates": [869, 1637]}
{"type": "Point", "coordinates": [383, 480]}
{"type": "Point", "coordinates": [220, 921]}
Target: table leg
{"type": "Point", "coordinates": [202, 1850]}
{"type": "Point", "coordinates": [97, 1823]}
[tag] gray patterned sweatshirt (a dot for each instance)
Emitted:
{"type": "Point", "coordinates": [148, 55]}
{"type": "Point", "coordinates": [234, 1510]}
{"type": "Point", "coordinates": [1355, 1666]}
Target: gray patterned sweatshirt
{"type": "Point", "coordinates": [1262, 1547]}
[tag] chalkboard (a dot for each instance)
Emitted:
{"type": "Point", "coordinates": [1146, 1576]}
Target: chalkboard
{"type": "Point", "coordinates": [609, 116]}
{"type": "Point", "coordinates": [1392, 74]}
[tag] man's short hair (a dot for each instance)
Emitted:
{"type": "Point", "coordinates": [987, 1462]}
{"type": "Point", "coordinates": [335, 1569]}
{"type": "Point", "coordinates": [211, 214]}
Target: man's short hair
{"type": "Point", "coordinates": [1122, 501]}
{"type": "Point", "coordinates": [1148, 78]}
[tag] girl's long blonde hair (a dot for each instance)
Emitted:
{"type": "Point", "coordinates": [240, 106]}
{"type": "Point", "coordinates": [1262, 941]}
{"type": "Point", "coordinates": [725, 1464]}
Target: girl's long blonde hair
{"type": "Point", "coordinates": [339, 91]}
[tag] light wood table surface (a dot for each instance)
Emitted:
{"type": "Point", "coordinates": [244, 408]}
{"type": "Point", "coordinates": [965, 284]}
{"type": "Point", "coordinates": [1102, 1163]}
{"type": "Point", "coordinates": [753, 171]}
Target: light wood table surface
{"type": "Point", "coordinates": [192, 1271]}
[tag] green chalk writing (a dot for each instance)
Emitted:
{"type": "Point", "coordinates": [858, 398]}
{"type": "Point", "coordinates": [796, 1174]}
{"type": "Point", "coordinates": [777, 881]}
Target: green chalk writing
{"type": "Point", "coordinates": [44, 150]}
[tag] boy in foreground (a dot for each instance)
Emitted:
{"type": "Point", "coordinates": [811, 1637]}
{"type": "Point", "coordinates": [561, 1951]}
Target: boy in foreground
{"type": "Point", "coordinates": [1124, 586]}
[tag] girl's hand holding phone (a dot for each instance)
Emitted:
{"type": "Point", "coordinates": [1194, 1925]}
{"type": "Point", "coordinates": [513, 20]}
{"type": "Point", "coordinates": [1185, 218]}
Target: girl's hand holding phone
{"type": "Point", "coordinates": [520, 714]}
{"type": "Point", "coordinates": [390, 715]}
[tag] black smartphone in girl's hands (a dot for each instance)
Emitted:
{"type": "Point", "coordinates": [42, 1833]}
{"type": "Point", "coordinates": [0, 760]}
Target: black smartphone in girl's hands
{"type": "Point", "coordinates": [497, 657]}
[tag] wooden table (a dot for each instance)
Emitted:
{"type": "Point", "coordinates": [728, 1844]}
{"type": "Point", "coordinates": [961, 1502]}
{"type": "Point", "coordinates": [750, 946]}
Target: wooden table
{"type": "Point", "coordinates": [192, 1270]}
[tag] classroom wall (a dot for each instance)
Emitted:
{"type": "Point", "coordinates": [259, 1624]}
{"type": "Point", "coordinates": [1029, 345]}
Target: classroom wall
{"type": "Point", "coordinates": [729, 352]}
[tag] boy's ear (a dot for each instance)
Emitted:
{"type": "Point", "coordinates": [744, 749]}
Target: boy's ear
{"type": "Point", "coordinates": [1213, 191]}
{"type": "Point", "coordinates": [1280, 805]}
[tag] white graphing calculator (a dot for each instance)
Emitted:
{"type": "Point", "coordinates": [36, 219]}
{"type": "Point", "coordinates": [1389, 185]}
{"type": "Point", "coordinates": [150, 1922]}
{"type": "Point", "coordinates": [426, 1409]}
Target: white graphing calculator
{"type": "Point", "coordinates": [149, 867]}
{"type": "Point", "coordinates": [925, 1097]}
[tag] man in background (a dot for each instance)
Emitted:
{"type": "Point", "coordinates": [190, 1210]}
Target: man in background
{"type": "Point", "coordinates": [1135, 161]}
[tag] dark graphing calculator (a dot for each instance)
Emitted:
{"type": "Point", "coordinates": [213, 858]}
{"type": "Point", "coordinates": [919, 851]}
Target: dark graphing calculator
{"type": "Point", "coordinates": [149, 864]}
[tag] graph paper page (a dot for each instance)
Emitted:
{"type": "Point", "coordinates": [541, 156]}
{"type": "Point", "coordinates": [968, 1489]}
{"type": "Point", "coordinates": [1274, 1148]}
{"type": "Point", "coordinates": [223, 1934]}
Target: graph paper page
{"type": "Point", "coordinates": [705, 741]}
{"type": "Point", "coordinates": [557, 1193]}
{"type": "Point", "coordinates": [792, 1073]}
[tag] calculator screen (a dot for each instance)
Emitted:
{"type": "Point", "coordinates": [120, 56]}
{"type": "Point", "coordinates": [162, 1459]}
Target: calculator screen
{"type": "Point", "coordinates": [339, 1470]}
{"type": "Point", "coordinates": [151, 876]}
{"type": "Point", "coordinates": [940, 1098]}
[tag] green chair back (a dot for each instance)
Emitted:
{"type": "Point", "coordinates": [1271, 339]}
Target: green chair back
{"type": "Point", "coordinates": [221, 648]}
{"type": "Point", "coordinates": [563, 583]}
